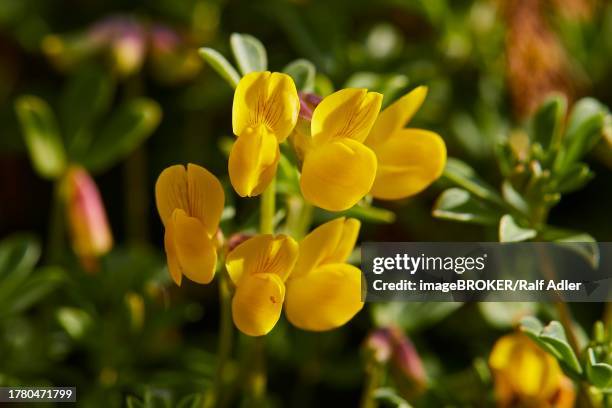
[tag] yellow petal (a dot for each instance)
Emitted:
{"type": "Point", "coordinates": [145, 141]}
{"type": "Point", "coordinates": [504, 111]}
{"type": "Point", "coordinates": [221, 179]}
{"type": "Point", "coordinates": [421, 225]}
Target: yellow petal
{"type": "Point", "coordinates": [264, 98]}
{"type": "Point", "coordinates": [257, 303]}
{"type": "Point", "coordinates": [331, 242]}
{"type": "Point", "coordinates": [171, 192]}
{"type": "Point", "coordinates": [196, 253]}
{"type": "Point", "coordinates": [173, 264]}
{"type": "Point", "coordinates": [520, 367]}
{"type": "Point", "coordinates": [337, 175]}
{"type": "Point", "coordinates": [262, 254]}
{"type": "Point", "coordinates": [348, 113]}
{"type": "Point", "coordinates": [396, 116]}
{"type": "Point", "coordinates": [408, 162]}
{"type": "Point", "coordinates": [253, 161]}
{"type": "Point", "coordinates": [206, 197]}
{"type": "Point", "coordinates": [324, 299]}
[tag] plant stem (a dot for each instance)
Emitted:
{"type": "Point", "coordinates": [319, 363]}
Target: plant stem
{"type": "Point", "coordinates": [226, 337]}
{"type": "Point", "coordinates": [268, 209]}
{"type": "Point", "coordinates": [372, 382]}
{"type": "Point", "coordinates": [256, 381]}
{"type": "Point", "coordinates": [56, 232]}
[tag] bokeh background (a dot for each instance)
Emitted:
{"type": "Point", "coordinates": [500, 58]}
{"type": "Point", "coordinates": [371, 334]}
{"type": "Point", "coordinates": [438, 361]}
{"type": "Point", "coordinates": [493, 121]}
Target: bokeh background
{"type": "Point", "coordinates": [126, 330]}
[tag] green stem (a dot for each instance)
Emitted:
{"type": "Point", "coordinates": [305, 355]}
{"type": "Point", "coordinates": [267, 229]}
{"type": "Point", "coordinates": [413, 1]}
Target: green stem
{"type": "Point", "coordinates": [226, 338]}
{"type": "Point", "coordinates": [268, 209]}
{"type": "Point", "coordinates": [56, 234]}
{"type": "Point", "coordinates": [374, 373]}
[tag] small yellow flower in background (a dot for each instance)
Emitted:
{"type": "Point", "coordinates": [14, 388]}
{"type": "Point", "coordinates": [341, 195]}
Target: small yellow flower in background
{"type": "Point", "coordinates": [190, 202]}
{"type": "Point", "coordinates": [259, 267]}
{"type": "Point", "coordinates": [265, 111]}
{"type": "Point", "coordinates": [89, 230]}
{"type": "Point", "coordinates": [526, 375]}
{"type": "Point", "coordinates": [409, 160]}
{"type": "Point", "coordinates": [338, 169]}
{"type": "Point", "coordinates": [323, 291]}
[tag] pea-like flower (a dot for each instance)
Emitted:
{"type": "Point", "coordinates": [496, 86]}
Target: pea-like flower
{"type": "Point", "coordinates": [338, 169]}
{"type": "Point", "coordinates": [190, 202]}
{"type": "Point", "coordinates": [409, 160]}
{"type": "Point", "coordinates": [323, 291]}
{"type": "Point", "coordinates": [527, 375]}
{"type": "Point", "coordinates": [259, 267]}
{"type": "Point", "coordinates": [265, 111]}
{"type": "Point", "coordinates": [89, 230]}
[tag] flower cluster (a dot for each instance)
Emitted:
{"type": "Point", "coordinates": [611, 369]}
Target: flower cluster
{"type": "Point", "coordinates": [347, 151]}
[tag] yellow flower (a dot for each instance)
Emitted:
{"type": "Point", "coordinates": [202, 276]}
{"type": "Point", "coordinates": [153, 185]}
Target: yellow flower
{"type": "Point", "coordinates": [190, 202]}
{"type": "Point", "coordinates": [338, 169]}
{"type": "Point", "coordinates": [265, 111]}
{"type": "Point", "coordinates": [259, 267]}
{"type": "Point", "coordinates": [409, 160]}
{"type": "Point", "coordinates": [527, 375]}
{"type": "Point", "coordinates": [323, 291]}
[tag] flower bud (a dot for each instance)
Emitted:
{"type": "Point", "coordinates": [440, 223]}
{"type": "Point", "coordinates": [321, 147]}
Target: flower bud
{"type": "Point", "coordinates": [300, 137]}
{"type": "Point", "coordinates": [90, 233]}
{"type": "Point", "coordinates": [390, 346]}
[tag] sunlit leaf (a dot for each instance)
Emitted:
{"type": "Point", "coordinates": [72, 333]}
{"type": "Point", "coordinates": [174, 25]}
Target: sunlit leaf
{"type": "Point", "coordinates": [458, 205]}
{"type": "Point", "coordinates": [221, 65]}
{"type": "Point", "coordinates": [599, 373]}
{"type": "Point", "coordinates": [249, 52]}
{"type": "Point", "coordinates": [510, 231]}
{"type": "Point", "coordinates": [42, 136]}
{"type": "Point", "coordinates": [303, 73]}
{"type": "Point", "coordinates": [547, 122]}
{"type": "Point", "coordinates": [464, 176]}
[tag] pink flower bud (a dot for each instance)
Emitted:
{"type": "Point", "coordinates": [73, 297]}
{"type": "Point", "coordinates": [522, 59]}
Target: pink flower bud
{"type": "Point", "coordinates": [90, 233]}
{"type": "Point", "coordinates": [392, 348]}
{"type": "Point", "coordinates": [308, 103]}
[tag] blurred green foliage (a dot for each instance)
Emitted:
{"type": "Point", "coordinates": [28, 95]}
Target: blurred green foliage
{"type": "Point", "coordinates": [125, 332]}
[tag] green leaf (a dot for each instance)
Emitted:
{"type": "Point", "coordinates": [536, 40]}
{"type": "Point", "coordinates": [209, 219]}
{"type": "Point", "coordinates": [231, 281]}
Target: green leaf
{"type": "Point", "coordinates": [514, 198]}
{"type": "Point", "coordinates": [547, 122]}
{"type": "Point", "coordinates": [18, 256]}
{"type": "Point", "coordinates": [554, 335]}
{"type": "Point", "coordinates": [133, 402]}
{"type": "Point", "coordinates": [599, 373]}
{"type": "Point", "coordinates": [509, 231]}
{"type": "Point", "coordinates": [221, 65]}
{"type": "Point", "coordinates": [531, 326]}
{"type": "Point", "coordinates": [18, 252]}
{"type": "Point", "coordinates": [390, 396]}
{"type": "Point", "coordinates": [458, 205]}
{"type": "Point", "coordinates": [36, 287]}
{"type": "Point", "coordinates": [464, 176]}
{"type": "Point", "coordinates": [552, 338]}
{"type": "Point", "coordinates": [303, 73]}
{"type": "Point", "coordinates": [42, 136]}
{"type": "Point", "coordinates": [580, 242]}
{"type": "Point", "coordinates": [412, 316]}
{"type": "Point", "coordinates": [576, 176]}
{"type": "Point", "coordinates": [75, 321]}
{"type": "Point", "coordinates": [249, 52]}
{"type": "Point", "coordinates": [127, 129]}
{"type": "Point", "coordinates": [584, 128]}
{"type": "Point", "coordinates": [87, 96]}
{"type": "Point", "coordinates": [505, 315]}
{"type": "Point", "coordinates": [190, 401]}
